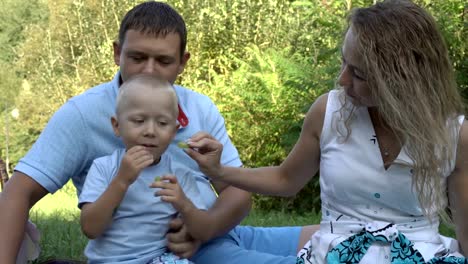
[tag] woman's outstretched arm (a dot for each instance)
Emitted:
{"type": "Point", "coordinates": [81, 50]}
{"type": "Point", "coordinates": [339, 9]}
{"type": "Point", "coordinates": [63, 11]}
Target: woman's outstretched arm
{"type": "Point", "coordinates": [286, 179]}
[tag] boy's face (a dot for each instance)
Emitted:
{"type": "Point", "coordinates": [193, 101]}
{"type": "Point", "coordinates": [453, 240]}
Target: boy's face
{"type": "Point", "coordinates": [145, 54]}
{"type": "Point", "coordinates": [147, 117]}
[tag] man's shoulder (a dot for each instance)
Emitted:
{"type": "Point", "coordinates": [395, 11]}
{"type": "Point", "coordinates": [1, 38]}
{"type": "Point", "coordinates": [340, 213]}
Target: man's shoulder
{"type": "Point", "coordinates": [103, 91]}
{"type": "Point", "coordinates": [188, 96]}
{"type": "Point", "coordinates": [95, 104]}
{"type": "Point", "coordinates": [111, 159]}
{"type": "Point", "coordinates": [198, 107]}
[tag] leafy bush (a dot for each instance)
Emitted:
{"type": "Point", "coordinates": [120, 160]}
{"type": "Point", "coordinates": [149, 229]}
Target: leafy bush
{"type": "Point", "coordinates": [262, 62]}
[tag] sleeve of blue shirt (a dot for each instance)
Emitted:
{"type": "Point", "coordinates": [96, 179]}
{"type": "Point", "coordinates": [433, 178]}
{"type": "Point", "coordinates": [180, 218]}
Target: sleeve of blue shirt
{"type": "Point", "coordinates": [96, 182]}
{"type": "Point", "coordinates": [216, 127]}
{"type": "Point", "coordinates": [59, 152]}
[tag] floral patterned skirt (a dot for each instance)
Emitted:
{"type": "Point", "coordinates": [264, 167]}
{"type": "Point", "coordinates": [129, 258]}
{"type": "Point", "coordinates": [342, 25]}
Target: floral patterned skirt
{"type": "Point", "coordinates": [169, 258]}
{"type": "Point", "coordinates": [377, 242]}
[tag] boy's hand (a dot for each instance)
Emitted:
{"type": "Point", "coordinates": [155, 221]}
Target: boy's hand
{"type": "Point", "coordinates": [171, 192]}
{"type": "Point", "coordinates": [135, 160]}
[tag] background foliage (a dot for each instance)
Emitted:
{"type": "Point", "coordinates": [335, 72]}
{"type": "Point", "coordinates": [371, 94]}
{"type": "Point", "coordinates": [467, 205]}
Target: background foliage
{"type": "Point", "coordinates": [263, 62]}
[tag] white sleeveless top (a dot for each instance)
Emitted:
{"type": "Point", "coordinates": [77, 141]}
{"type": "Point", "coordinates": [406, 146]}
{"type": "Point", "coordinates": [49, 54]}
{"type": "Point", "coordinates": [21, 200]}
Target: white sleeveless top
{"type": "Point", "coordinates": [357, 192]}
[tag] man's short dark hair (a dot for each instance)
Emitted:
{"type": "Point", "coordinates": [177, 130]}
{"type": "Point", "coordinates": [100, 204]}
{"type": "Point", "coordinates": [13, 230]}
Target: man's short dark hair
{"type": "Point", "coordinates": [154, 18]}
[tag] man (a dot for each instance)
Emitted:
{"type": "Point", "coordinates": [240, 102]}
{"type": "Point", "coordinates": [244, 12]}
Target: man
{"type": "Point", "coordinates": [152, 40]}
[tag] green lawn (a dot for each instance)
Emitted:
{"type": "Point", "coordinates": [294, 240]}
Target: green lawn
{"type": "Point", "coordinates": [57, 217]}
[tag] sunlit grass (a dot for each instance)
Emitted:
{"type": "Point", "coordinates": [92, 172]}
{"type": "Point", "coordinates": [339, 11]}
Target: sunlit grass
{"type": "Point", "coordinates": [64, 201]}
{"type": "Point", "coordinates": [57, 217]}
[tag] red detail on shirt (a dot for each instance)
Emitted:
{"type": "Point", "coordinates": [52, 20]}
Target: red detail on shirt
{"type": "Point", "coordinates": [182, 118]}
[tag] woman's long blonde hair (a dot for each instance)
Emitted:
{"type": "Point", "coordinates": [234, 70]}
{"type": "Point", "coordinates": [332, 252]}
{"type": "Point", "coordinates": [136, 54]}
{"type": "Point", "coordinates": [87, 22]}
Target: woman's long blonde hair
{"type": "Point", "coordinates": [412, 82]}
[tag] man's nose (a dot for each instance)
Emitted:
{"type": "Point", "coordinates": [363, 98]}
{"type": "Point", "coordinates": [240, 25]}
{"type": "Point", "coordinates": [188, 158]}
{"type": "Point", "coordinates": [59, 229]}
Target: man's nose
{"type": "Point", "coordinates": [149, 67]}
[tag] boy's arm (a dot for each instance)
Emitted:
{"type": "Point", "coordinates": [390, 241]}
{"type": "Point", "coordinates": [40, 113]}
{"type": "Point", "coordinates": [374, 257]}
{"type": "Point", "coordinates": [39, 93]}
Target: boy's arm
{"type": "Point", "coordinates": [19, 195]}
{"type": "Point", "coordinates": [97, 216]}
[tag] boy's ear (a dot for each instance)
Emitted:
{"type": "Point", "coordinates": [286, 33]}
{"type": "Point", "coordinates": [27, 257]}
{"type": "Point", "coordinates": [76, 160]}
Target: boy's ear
{"type": "Point", "coordinates": [174, 132]}
{"type": "Point", "coordinates": [115, 126]}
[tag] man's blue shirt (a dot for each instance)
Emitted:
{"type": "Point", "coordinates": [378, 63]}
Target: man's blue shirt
{"type": "Point", "coordinates": [81, 131]}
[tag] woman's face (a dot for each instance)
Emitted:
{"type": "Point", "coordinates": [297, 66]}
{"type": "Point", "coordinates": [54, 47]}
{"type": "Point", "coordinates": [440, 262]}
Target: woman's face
{"type": "Point", "coordinates": [352, 78]}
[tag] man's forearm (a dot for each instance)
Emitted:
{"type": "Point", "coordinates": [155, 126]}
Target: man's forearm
{"type": "Point", "coordinates": [20, 193]}
{"type": "Point", "coordinates": [14, 214]}
{"type": "Point", "coordinates": [194, 220]}
{"type": "Point", "coordinates": [230, 208]}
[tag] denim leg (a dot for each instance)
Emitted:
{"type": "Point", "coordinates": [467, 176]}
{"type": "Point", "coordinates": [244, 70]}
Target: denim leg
{"type": "Point", "coordinates": [277, 245]}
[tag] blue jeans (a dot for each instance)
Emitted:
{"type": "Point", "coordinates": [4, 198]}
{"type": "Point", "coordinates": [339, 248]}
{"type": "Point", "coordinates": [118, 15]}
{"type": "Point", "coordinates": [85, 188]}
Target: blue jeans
{"type": "Point", "coordinates": [246, 244]}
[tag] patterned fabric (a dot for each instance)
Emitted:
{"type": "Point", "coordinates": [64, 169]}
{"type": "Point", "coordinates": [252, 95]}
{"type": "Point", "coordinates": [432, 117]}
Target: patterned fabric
{"type": "Point", "coordinates": [169, 258]}
{"type": "Point", "coordinates": [355, 247]}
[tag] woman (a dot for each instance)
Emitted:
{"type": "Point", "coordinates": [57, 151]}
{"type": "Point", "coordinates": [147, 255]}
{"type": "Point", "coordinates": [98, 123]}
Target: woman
{"type": "Point", "coordinates": [388, 142]}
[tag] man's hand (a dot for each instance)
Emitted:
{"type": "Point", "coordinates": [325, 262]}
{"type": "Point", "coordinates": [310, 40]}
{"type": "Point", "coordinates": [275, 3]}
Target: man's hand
{"type": "Point", "coordinates": [171, 192]}
{"type": "Point", "coordinates": [135, 160]}
{"type": "Point", "coordinates": [179, 240]}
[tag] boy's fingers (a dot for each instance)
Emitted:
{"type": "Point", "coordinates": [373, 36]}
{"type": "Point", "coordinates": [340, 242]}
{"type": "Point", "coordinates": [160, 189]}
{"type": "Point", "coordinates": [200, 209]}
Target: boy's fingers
{"type": "Point", "coordinates": [165, 181]}
{"type": "Point", "coordinates": [169, 177]}
{"type": "Point", "coordinates": [164, 192]}
{"type": "Point", "coordinates": [136, 149]}
{"type": "Point", "coordinates": [144, 160]}
{"type": "Point", "coordinates": [159, 184]}
{"type": "Point", "coordinates": [166, 199]}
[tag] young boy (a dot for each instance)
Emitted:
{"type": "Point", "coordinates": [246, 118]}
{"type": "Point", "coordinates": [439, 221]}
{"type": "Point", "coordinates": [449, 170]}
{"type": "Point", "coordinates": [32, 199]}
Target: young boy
{"type": "Point", "coordinates": [120, 210]}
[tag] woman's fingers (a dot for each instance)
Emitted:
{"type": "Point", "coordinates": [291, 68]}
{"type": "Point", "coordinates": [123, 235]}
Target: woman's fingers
{"type": "Point", "coordinates": [199, 136]}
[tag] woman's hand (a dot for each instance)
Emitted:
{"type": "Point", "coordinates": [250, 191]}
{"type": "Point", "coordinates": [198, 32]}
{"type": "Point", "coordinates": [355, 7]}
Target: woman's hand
{"type": "Point", "coordinates": [206, 151]}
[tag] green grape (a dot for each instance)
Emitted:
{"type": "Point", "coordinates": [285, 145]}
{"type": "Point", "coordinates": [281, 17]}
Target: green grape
{"type": "Point", "coordinates": [157, 178]}
{"type": "Point", "coordinates": [182, 145]}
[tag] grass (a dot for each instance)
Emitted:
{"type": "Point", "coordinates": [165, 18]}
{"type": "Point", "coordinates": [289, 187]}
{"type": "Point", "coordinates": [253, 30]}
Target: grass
{"type": "Point", "coordinates": [57, 218]}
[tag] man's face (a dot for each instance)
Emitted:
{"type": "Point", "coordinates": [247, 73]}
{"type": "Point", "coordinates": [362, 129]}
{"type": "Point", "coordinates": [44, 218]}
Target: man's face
{"type": "Point", "coordinates": [145, 54]}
